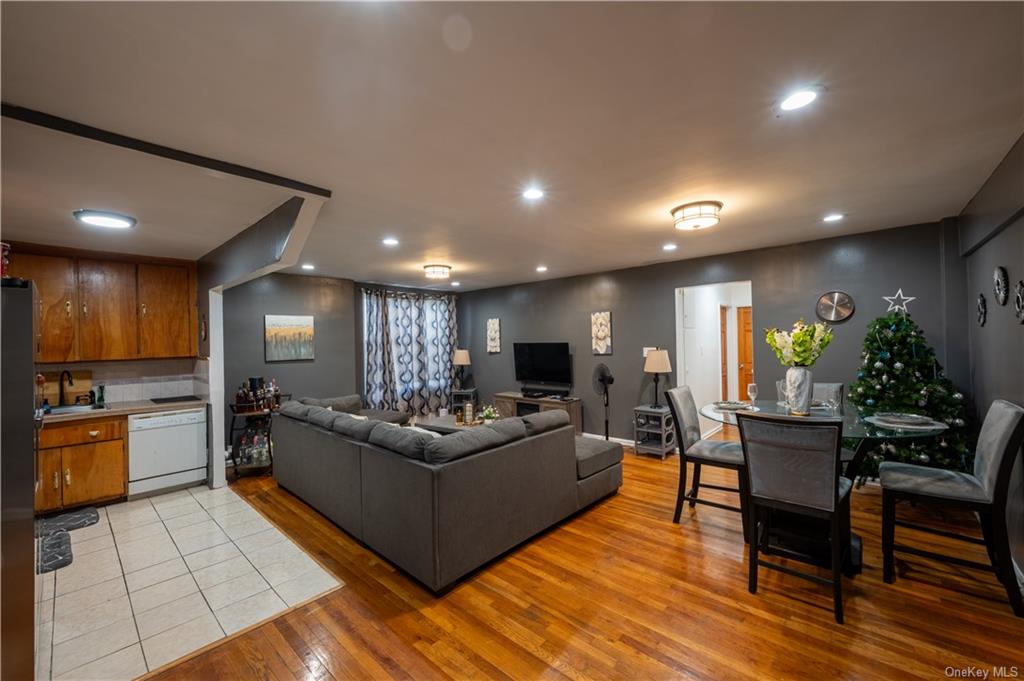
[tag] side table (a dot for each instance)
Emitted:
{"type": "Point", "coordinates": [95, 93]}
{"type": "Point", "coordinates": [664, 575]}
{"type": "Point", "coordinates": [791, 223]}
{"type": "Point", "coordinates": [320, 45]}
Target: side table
{"type": "Point", "coordinates": [654, 430]}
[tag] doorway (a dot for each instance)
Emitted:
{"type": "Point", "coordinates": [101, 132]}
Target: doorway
{"type": "Point", "coordinates": [715, 343]}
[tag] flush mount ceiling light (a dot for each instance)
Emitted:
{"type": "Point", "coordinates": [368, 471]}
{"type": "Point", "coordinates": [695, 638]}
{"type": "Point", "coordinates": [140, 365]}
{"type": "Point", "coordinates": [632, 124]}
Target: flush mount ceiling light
{"type": "Point", "coordinates": [389, 241]}
{"type": "Point", "coordinates": [103, 218]}
{"type": "Point", "coordinates": [542, 268]}
{"type": "Point", "coordinates": [437, 271]}
{"type": "Point", "coordinates": [833, 217]}
{"type": "Point", "coordinates": [308, 266]}
{"type": "Point", "coordinates": [456, 284]}
{"type": "Point", "coordinates": [533, 193]}
{"type": "Point", "coordinates": [669, 247]}
{"type": "Point", "coordinates": [696, 215]}
{"type": "Point", "coordinates": [798, 99]}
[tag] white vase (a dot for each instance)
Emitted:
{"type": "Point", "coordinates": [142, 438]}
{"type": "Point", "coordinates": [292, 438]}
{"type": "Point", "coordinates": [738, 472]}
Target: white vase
{"type": "Point", "coordinates": [799, 387]}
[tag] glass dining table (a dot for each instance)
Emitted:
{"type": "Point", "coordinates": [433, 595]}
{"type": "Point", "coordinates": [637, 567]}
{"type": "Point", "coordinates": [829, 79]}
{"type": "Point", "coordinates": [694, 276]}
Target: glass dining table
{"type": "Point", "coordinates": [867, 435]}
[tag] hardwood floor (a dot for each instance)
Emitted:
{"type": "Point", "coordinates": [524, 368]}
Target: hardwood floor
{"type": "Point", "coordinates": [618, 591]}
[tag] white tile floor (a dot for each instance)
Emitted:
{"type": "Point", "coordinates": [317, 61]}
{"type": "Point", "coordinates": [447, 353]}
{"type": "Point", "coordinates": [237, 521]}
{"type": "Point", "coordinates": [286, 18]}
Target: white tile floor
{"type": "Point", "coordinates": [158, 578]}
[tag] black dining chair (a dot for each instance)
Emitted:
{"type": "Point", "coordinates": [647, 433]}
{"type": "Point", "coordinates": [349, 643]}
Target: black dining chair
{"type": "Point", "coordinates": [793, 466]}
{"type": "Point", "coordinates": [692, 449]}
{"type": "Point", "coordinates": [985, 491]}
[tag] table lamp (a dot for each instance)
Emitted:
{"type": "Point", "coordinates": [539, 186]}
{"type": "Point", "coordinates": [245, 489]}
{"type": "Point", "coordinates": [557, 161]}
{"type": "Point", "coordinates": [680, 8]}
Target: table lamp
{"type": "Point", "coordinates": [460, 360]}
{"type": "Point", "coordinates": [657, 363]}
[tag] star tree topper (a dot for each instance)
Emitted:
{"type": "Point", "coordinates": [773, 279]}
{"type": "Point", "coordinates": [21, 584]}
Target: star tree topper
{"type": "Point", "coordinates": [898, 302]}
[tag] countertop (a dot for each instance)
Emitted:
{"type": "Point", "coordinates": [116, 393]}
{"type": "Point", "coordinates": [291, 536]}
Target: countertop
{"type": "Point", "coordinates": [123, 409]}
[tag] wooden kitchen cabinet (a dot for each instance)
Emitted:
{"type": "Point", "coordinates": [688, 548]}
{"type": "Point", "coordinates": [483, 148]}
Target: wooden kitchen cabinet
{"type": "Point", "coordinates": [164, 311]}
{"type": "Point", "coordinates": [56, 304]}
{"type": "Point", "coordinates": [93, 472]}
{"type": "Point", "coordinates": [107, 321]}
{"type": "Point", "coordinates": [48, 481]}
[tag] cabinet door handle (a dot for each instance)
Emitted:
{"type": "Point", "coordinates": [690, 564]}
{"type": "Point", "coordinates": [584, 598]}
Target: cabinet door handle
{"type": "Point", "coordinates": [67, 477]}
{"type": "Point", "coordinates": [144, 310]}
{"type": "Point", "coordinates": [56, 479]}
{"type": "Point", "coordinates": [93, 433]}
{"type": "Point", "coordinates": [67, 308]}
{"type": "Point", "coordinates": [85, 310]}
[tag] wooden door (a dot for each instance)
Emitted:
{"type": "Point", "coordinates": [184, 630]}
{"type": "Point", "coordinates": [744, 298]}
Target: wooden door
{"type": "Point", "coordinates": [164, 311]}
{"type": "Point", "coordinates": [56, 304]}
{"type": "Point", "coordinates": [107, 319]}
{"type": "Point", "coordinates": [93, 472]}
{"type": "Point", "coordinates": [723, 345]}
{"type": "Point", "coordinates": [48, 496]}
{"type": "Point", "coordinates": [745, 348]}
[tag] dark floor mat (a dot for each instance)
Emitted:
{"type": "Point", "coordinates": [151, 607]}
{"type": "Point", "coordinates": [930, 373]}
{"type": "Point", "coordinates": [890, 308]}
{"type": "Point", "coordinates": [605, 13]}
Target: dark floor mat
{"type": "Point", "coordinates": [72, 520]}
{"type": "Point", "coordinates": [55, 551]}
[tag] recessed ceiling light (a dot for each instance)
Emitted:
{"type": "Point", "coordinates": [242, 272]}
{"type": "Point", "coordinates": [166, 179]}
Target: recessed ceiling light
{"type": "Point", "coordinates": [533, 193]}
{"type": "Point", "coordinates": [798, 100]}
{"type": "Point", "coordinates": [542, 268]}
{"type": "Point", "coordinates": [456, 283]}
{"type": "Point", "coordinates": [308, 266]}
{"type": "Point", "coordinates": [669, 247]}
{"type": "Point", "coordinates": [437, 271]}
{"type": "Point", "coordinates": [102, 218]}
{"type": "Point", "coordinates": [389, 241]}
{"type": "Point", "coordinates": [833, 217]}
{"type": "Point", "coordinates": [696, 215]}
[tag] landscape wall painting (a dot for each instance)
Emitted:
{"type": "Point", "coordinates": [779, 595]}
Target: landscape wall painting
{"type": "Point", "coordinates": [287, 337]}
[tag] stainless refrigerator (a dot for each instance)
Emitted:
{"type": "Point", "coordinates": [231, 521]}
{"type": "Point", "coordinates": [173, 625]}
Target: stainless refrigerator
{"type": "Point", "coordinates": [17, 482]}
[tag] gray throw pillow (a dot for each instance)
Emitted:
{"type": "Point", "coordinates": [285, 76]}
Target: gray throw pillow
{"type": "Point", "coordinates": [462, 443]}
{"type": "Point", "coordinates": [401, 440]}
{"type": "Point", "coordinates": [543, 421]}
{"type": "Point", "coordinates": [352, 427]}
{"type": "Point", "coordinates": [509, 429]}
{"type": "Point", "coordinates": [295, 409]}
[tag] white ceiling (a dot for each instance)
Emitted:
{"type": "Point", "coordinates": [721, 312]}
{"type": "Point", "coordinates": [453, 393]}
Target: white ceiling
{"type": "Point", "coordinates": [426, 120]}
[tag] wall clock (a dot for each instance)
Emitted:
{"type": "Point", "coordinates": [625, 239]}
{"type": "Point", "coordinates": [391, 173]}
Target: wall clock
{"type": "Point", "coordinates": [835, 306]}
{"type": "Point", "coordinates": [1018, 301]}
{"type": "Point", "coordinates": [982, 309]}
{"type": "Point", "coordinates": [1000, 285]}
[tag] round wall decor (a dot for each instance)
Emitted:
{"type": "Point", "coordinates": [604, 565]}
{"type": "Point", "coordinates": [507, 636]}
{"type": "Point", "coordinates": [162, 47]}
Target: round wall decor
{"type": "Point", "coordinates": [982, 309]}
{"type": "Point", "coordinates": [1018, 301]}
{"type": "Point", "coordinates": [1000, 285]}
{"type": "Point", "coordinates": [835, 306]}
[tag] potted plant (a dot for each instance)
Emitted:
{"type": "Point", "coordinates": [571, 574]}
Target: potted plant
{"type": "Point", "coordinates": [799, 349]}
{"type": "Point", "coordinates": [490, 414]}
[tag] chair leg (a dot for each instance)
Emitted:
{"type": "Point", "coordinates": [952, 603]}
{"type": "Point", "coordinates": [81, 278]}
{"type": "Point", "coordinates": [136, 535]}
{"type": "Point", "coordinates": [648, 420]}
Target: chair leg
{"type": "Point", "coordinates": [696, 484]}
{"type": "Point", "coordinates": [747, 515]}
{"type": "Point", "coordinates": [838, 552]}
{"type": "Point", "coordinates": [752, 551]}
{"type": "Point", "coordinates": [888, 534]}
{"type": "Point", "coordinates": [682, 488]}
{"type": "Point", "coordinates": [985, 519]}
{"type": "Point", "coordinates": [1004, 561]}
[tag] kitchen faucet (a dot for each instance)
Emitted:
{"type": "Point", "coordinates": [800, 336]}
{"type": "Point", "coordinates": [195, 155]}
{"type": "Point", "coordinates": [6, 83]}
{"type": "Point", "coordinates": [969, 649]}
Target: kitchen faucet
{"type": "Point", "coordinates": [60, 401]}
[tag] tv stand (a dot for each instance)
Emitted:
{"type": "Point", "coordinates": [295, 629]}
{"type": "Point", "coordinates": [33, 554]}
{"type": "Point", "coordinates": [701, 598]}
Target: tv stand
{"type": "Point", "coordinates": [519, 404]}
{"type": "Point", "coordinates": [545, 392]}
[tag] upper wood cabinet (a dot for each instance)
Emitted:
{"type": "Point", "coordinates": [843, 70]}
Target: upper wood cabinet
{"type": "Point", "coordinates": [164, 309]}
{"type": "Point", "coordinates": [56, 304]}
{"type": "Point", "coordinates": [107, 321]}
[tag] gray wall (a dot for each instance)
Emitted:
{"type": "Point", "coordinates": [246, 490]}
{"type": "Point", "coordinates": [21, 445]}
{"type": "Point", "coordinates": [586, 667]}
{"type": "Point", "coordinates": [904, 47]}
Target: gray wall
{"type": "Point", "coordinates": [332, 304]}
{"type": "Point", "coordinates": [786, 283]}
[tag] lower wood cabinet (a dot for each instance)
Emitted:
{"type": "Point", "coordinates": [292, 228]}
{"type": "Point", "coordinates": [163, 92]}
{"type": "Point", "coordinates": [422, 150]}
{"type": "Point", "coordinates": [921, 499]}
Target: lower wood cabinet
{"type": "Point", "coordinates": [81, 470]}
{"type": "Point", "coordinates": [48, 481]}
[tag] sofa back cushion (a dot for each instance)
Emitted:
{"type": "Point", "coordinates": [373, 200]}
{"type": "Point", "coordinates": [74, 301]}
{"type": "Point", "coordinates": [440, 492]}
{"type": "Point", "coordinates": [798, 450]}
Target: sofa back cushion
{"type": "Point", "coordinates": [404, 441]}
{"type": "Point", "coordinates": [510, 430]}
{"type": "Point", "coordinates": [462, 443]}
{"type": "Point", "coordinates": [321, 416]}
{"type": "Point", "coordinates": [352, 427]}
{"type": "Point", "coordinates": [295, 409]}
{"type": "Point", "coordinates": [543, 421]}
{"type": "Point", "coordinates": [349, 404]}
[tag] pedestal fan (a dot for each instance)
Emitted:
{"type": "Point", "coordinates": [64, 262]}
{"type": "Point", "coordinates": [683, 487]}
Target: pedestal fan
{"type": "Point", "coordinates": [602, 379]}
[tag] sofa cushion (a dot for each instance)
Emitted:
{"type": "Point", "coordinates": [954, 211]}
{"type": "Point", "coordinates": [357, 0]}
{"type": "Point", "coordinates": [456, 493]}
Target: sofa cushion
{"type": "Point", "coordinates": [404, 441]}
{"type": "Point", "coordinates": [349, 404]}
{"type": "Point", "coordinates": [386, 415]}
{"type": "Point", "coordinates": [295, 409]}
{"type": "Point", "coordinates": [543, 421]}
{"type": "Point", "coordinates": [593, 456]}
{"type": "Point", "coordinates": [353, 427]}
{"type": "Point", "coordinates": [509, 429]}
{"type": "Point", "coordinates": [321, 416]}
{"type": "Point", "coordinates": [462, 443]}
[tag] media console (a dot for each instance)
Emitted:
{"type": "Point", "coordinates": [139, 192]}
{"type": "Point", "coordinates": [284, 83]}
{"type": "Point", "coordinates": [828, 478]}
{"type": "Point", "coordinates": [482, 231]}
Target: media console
{"type": "Point", "coordinates": [518, 404]}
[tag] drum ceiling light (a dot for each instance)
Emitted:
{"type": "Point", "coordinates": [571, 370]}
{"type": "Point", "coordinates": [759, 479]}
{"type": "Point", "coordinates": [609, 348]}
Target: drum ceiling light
{"type": "Point", "coordinates": [437, 271]}
{"type": "Point", "coordinates": [103, 218]}
{"type": "Point", "coordinates": [697, 215]}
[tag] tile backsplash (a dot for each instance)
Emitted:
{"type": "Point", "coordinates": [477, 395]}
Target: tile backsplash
{"type": "Point", "coordinates": [132, 381]}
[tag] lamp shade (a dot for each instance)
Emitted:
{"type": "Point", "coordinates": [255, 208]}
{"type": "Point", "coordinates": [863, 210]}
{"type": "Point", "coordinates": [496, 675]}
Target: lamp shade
{"type": "Point", "coordinates": [657, 362]}
{"type": "Point", "coordinates": [461, 358]}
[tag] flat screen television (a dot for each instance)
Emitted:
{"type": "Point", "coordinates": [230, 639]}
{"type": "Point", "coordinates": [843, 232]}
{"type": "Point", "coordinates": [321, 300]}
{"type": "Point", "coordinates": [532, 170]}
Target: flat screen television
{"type": "Point", "coordinates": [543, 362]}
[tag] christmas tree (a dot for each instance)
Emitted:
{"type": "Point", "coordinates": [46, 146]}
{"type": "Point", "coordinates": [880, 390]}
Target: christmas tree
{"type": "Point", "coordinates": [899, 373]}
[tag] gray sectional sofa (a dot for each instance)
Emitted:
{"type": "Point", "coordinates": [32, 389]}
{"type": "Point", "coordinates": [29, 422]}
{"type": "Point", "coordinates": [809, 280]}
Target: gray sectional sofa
{"type": "Point", "coordinates": [441, 506]}
{"type": "Point", "coordinates": [353, 404]}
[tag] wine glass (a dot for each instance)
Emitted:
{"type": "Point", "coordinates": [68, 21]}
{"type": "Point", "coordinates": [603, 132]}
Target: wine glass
{"type": "Point", "coordinates": [752, 391]}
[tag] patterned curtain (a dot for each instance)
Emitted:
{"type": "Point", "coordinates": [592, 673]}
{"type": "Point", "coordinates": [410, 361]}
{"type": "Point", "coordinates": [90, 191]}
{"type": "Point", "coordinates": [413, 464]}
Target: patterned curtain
{"type": "Point", "coordinates": [409, 340]}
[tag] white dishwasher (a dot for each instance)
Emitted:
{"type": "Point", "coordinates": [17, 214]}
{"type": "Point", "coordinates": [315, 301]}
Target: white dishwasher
{"type": "Point", "coordinates": [166, 449]}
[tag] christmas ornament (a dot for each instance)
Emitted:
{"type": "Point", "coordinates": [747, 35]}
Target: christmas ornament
{"type": "Point", "coordinates": [879, 365]}
{"type": "Point", "coordinates": [884, 354]}
{"type": "Point", "coordinates": [898, 366]}
{"type": "Point", "coordinates": [898, 302]}
{"type": "Point", "coordinates": [924, 458]}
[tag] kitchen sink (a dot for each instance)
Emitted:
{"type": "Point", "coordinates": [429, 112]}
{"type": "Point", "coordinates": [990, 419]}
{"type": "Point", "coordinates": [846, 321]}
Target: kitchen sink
{"type": "Point", "coordinates": [75, 408]}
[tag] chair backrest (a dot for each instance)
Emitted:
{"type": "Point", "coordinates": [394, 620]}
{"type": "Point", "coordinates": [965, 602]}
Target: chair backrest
{"type": "Point", "coordinates": [828, 392]}
{"type": "Point", "coordinates": [684, 412]}
{"type": "Point", "coordinates": [792, 459]}
{"type": "Point", "coordinates": [998, 444]}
